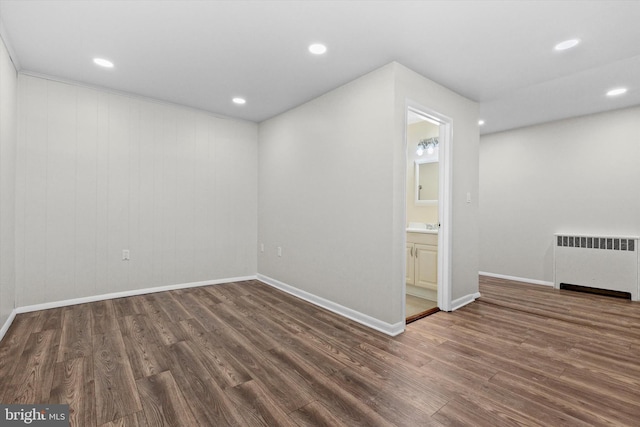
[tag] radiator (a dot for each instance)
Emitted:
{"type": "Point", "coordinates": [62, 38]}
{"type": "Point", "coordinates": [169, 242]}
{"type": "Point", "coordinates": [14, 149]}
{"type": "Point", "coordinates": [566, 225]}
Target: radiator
{"type": "Point", "coordinates": [601, 262]}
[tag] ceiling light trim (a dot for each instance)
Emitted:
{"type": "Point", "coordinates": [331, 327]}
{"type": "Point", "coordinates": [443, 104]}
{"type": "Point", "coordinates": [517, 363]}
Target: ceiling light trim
{"type": "Point", "coordinates": [617, 91]}
{"type": "Point", "coordinates": [103, 62]}
{"type": "Point", "coordinates": [317, 48]}
{"type": "Point", "coordinates": [566, 45]}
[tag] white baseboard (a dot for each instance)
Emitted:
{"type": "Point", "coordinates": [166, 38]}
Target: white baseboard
{"type": "Point", "coordinates": [356, 316]}
{"type": "Point", "coordinates": [384, 327]}
{"type": "Point", "coordinates": [8, 323]}
{"type": "Point", "coordinates": [517, 279]}
{"type": "Point", "coordinates": [462, 301]}
{"type": "Point", "coordinates": [93, 298]}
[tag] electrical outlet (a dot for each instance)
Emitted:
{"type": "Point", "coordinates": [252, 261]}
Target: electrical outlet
{"type": "Point", "coordinates": [125, 255]}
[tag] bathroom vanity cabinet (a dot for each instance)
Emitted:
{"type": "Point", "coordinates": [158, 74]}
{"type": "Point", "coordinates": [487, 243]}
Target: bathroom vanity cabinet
{"type": "Point", "coordinates": [422, 260]}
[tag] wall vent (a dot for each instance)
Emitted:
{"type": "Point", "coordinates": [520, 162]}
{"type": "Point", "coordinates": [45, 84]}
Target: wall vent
{"type": "Point", "coordinates": [598, 262]}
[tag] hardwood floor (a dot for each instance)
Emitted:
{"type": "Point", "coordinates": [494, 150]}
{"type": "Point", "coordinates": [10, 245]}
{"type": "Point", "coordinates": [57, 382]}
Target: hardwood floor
{"type": "Point", "coordinates": [244, 354]}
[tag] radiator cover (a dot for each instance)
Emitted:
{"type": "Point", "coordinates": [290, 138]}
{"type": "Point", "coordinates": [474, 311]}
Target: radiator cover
{"type": "Point", "coordinates": [602, 262]}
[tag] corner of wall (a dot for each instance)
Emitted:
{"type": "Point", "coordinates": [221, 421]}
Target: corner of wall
{"type": "Point", "coordinates": [411, 87]}
{"type": "Point", "coordinates": [7, 324]}
{"type": "Point", "coordinates": [8, 146]}
{"type": "Point", "coordinates": [4, 38]}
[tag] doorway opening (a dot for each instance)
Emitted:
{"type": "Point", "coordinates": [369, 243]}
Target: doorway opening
{"type": "Point", "coordinates": [427, 275]}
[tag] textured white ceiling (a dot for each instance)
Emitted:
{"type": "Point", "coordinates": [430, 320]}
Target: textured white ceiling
{"type": "Point", "coordinates": [203, 53]}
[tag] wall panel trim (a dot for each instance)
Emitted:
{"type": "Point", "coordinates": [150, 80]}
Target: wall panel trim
{"type": "Point", "coordinates": [7, 324]}
{"type": "Point", "coordinates": [517, 279]}
{"type": "Point", "coordinates": [462, 301]}
{"type": "Point", "coordinates": [356, 316]}
{"type": "Point", "coordinates": [94, 298]}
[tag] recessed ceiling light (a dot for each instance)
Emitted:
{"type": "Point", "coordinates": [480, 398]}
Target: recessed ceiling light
{"type": "Point", "coordinates": [103, 62]}
{"type": "Point", "coordinates": [480, 122]}
{"type": "Point", "coordinates": [317, 48]}
{"type": "Point", "coordinates": [567, 44]}
{"type": "Point", "coordinates": [239, 101]}
{"type": "Point", "coordinates": [617, 91]}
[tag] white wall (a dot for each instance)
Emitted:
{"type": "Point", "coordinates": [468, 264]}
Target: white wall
{"type": "Point", "coordinates": [332, 192]}
{"type": "Point", "coordinates": [464, 222]}
{"type": "Point", "coordinates": [8, 112]}
{"type": "Point", "coordinates": [99, 172]}
{"type": "Point", "coordinates": [573, 176]}
{"type": "Point", "coordinates": [325, 183]}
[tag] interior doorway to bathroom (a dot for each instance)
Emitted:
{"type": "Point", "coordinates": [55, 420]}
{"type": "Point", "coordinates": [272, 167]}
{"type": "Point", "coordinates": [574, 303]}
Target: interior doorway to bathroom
{"type": "Point", "coordinates": [426, 287]}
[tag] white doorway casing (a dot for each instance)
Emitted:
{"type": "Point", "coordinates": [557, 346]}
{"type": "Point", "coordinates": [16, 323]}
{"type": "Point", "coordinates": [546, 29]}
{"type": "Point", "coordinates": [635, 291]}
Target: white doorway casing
{"type": "Point", "coordinates": [444, 201]}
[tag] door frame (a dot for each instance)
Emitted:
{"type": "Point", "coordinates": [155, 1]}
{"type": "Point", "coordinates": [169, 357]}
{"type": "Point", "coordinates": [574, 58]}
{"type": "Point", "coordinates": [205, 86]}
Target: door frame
{"type": "Point", "coordinates": [445, 154]}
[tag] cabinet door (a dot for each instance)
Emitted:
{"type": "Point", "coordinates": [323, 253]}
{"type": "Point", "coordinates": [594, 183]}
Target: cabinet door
{"type": "Point", "coordinates": [410, 264]}
{"type": "Point", "coordinates": [426, 267]}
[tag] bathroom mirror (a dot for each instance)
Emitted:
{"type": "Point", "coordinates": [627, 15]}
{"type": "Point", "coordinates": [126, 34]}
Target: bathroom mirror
{"type": "Point", "coordinates": [426, 182]}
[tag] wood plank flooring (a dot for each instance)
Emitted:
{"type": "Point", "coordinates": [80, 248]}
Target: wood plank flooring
{"type": "Point", "coordinates": [244, 354]}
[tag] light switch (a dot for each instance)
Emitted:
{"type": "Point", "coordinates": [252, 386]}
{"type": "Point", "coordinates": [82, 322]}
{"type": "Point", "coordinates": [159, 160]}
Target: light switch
{"type": "Point", "coordinates": [468, 197]}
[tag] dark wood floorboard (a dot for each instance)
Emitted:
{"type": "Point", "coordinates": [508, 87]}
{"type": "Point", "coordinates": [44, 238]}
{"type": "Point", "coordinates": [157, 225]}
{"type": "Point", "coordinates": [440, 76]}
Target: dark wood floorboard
{"type": "Point", "coordinates": [32, 379]}
{"type": "Point", "coordinates": [246, 354]}
{"type": "Point", "coordinates": [163, 401]}
{"type": "Point", "coordinates": [73, 384]}
{"type": "Point", "coordinates": [116, 393]}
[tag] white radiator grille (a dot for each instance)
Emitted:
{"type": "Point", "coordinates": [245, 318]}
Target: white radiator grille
{"type": "Point", "coordinates": [610, 243]}
{"type": "Point", "coordinates": [601, 262]}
